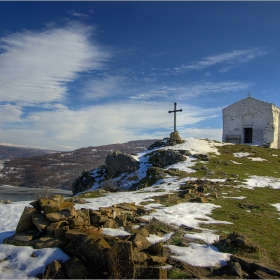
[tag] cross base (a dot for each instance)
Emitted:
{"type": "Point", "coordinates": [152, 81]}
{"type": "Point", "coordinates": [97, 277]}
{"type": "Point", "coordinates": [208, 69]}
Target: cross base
{"type": "Point", "coordinates": [176, 137]}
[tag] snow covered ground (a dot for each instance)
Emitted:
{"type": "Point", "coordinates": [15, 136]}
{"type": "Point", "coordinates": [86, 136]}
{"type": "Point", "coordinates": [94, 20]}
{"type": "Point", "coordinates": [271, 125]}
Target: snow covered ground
{"type": "Point", "coordinates": [18, 263]}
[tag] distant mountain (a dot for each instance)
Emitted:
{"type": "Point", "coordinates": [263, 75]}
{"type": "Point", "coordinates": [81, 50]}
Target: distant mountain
{"type": "Point", "coordinates": [56, 169]}
{"type": "Point", "coordinates": [10, 152]}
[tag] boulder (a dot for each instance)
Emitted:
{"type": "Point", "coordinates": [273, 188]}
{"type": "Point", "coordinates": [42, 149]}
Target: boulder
{"type": "Point", "coordinates": [60, 232]}
{"type": "Point", "coordinates": [156, 249]}
{"type": "Point", "coordinates": [120, 260]}
{"type": "Point", "coordinates": [118, 162]}
{"type": "Point", "coordinates": [158, 144]}
{"type": "Point", "coordinates": [25, 221]}
{"type": "Point", "coordinates": [75, 269]}
{"type": "Point", "coordinates": [82, 183]}
{"type": "Point", "coordinates": [235, 269]}
{"type": "Point", "coordinates": [51, 204]}
{"type": "Point", "coordinates": [163, 158]}
{"type": "Point", "coordinates": [239, 241]}
{"type": "Point", "coordinates": [141, 230]}
{"type": "Point", "coordinates": [54, 271]}
{"type": "Point", "coordinates": [50, 242]}
{"type": "Point", "coordinates": [56, 225]}
{"type": "Point", "coordinates": [110, 223]}
{"type": "Point", "coordinates": [158, 259]}
{"type": "Point", "coordinates": [93, 249]}
{"type": "Point", "coordinates": [84, 213]}
{"type": "Point", "coordinates": [54, 217]}
{"type": "Point", "coordinates": [139, 257]}
{"type": "Point", "coordinates": [121, 220]}
{"type": "Point", "coordinates": [27, 235]}
{"type": "Point", "coordinates": [76, 222]}
{"type": "Point", "coordinates": [68, 212]}
{"type": "Point", "coordinates": [139, 241]}
{"type": "Point", "coordinates": [98, 220]}
{"type": "Point", "coordinates": [75, 233]}
{"type": "Point", "coordinates": [40, 221]}
{"type": "Point", "coordinates": [150, 273]}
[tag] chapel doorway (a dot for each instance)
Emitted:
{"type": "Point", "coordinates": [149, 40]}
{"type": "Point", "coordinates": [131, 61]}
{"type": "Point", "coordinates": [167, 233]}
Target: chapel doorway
{"type": "Point", "coordinates": [248, 135]}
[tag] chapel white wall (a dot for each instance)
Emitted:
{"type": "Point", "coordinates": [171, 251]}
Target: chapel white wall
{"type": "Point", "coordinates": [263, 117]}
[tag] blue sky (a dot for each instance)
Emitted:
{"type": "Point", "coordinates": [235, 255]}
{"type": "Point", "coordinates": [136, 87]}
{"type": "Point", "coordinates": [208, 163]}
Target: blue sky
{"type": "Point", "coordinates": [78, 74]}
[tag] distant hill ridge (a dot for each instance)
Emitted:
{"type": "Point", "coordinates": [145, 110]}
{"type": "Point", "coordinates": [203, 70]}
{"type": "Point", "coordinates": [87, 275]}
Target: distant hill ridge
{"type": "Point", "coordinates": [27, 167]}
{"type": "Point", "coordinates": [10, 152]}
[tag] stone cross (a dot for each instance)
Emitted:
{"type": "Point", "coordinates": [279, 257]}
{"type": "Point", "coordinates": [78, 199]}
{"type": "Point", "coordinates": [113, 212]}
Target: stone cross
{"type": "Point", "coordinates": [175, 105]}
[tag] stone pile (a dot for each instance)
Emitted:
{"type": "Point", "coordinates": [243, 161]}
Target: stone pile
{"type": "Point", "coordinates": [54, 222]}
{"type": "Point", "coordinates": [196, 191]}
{"type": "Point", "coordinates": [173, 140]}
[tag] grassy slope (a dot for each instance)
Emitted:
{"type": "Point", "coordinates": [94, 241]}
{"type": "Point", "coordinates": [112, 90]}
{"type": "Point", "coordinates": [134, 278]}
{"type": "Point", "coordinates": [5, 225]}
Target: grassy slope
{"type": "Point", "coordinates": [260, 224]}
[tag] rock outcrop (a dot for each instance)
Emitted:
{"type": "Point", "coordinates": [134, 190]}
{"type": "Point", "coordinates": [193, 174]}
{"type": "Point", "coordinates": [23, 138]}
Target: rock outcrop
{"type": "Point", "coordinates": [82, 183]}
{"type": "Point", "coordinates": [118, 163]}
{"type": "Point", "coordinates": [163, 158]}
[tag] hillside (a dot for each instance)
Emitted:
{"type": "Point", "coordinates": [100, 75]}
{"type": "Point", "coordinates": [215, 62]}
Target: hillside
{"type": "Point", "coordinates": [10, 152]}
{"type": "Point", "coordinates": [57, 170]}
{"type": "Point", "coordinates": [202, 200]}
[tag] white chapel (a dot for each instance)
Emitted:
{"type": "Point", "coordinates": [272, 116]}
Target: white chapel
{"type": "Point", "coordinates": [252, 121]}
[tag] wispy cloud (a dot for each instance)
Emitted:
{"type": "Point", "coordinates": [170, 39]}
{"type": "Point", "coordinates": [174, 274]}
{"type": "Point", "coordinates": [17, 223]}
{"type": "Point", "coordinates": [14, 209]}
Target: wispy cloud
{"type": "Point", "coordinates": [10, 114]}
{"type": "Point", "coordinates": [210, 133]}
{"type": "Point", "coordinates": [35, 67]}
{"type": "Point", "coordinates": [114, 122]}
{"type": "Point", "coordinates": [231, 59]}
{"type": "Point", "coordinates": [79, 15]}
{"type": "Point", "coordinates": [103, 87]}
{"type": "Point", "coordinates": [193, 90]}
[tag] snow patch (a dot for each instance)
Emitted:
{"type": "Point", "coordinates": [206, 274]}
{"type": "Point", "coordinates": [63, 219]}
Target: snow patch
{"type": "Point", "coordinates": [256, 159]}
{"type": "Point", "coordinates": [156, 239]}
{"type": "Point", "coordinates": [207, 236]}
{"type": "Point", "coordinates": [236, 197]}
{"type": "Point", "coordinates": [262, 182]}
{"type": "Point", "coordinates": [277, 205]}
{"type": "Point", "coordinates": [199, 255]}
{"type": "Point", "coordinates": [20, 264]}
{"type": "Point", "coordinates": [241, 155]}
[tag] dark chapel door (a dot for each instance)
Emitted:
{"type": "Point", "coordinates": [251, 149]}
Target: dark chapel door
{"type": "Point", "coordinates": [248, 135]}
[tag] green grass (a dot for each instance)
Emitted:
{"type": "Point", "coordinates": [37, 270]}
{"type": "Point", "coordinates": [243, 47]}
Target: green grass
{"type": "Point", "coordinates": [177, 273]}
{"type": "Point", "coordinates": [223, 167]}
{"type": "Point", "coordinates": [93, 194]}
{"type": "Point", "coordinates": [260, 225]}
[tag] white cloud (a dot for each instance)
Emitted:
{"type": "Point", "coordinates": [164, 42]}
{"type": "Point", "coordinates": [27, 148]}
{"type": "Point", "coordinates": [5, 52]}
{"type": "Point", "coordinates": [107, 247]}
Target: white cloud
{"type": "Point", "coordinates": [10, 113]}
{"type": "Point", "coordinates": [232, 59]}
{"type": "Point", "coordinates": [210, 133]}
{"type": "Point", "coordinates": [193, 90]}
{"type": "Point", "coordinates": [103, 87]}
{"type": "Point", "coordinates": [35, 66]}
{"type": "Point", "coordinates": [77, 14]}
{"type": "Point", "coordinates": [101, 124]}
